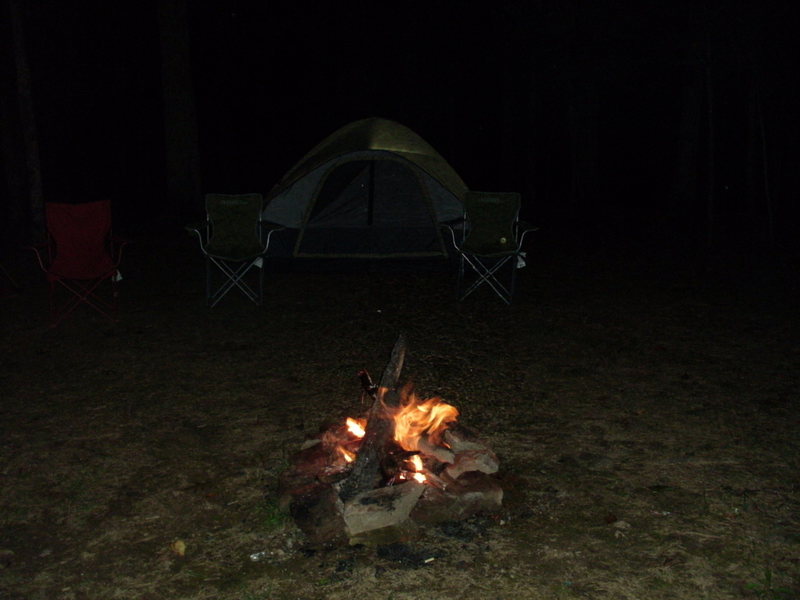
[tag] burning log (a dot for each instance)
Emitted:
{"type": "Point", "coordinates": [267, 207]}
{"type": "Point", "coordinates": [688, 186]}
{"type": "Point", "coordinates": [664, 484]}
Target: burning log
{"type": "Point", "coordinates": [376, 480]}
{"type": "Point", "coordinates": [440, 453]}
{"type": "Point", "coordinates": [366, 473]}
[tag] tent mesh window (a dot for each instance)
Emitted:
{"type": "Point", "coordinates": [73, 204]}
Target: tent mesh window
{"type": "Point", "coordinates": [370, 207]}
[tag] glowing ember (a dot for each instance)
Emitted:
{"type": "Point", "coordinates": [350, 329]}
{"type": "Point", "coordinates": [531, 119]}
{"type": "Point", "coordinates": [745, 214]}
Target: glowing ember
{"type": "Point", "coordinates": [346, 454]}
{"type": "Point", "coordinates": [416, 464]}
{"type": "Point", "coordinates": [355, 427]}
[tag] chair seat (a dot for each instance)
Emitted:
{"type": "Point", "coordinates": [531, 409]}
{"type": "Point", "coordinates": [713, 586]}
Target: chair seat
{"type": "Point", "coordinates": [502, 247]}
{"type": "Point", "coordinates": [88, 267]}
{"type": "Point", "coordinates": [236, 251]}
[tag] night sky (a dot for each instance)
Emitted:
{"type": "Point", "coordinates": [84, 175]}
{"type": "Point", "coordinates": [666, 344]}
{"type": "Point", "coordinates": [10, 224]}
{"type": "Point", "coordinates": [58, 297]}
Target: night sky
{"type": "Point", "coordinates": [613, 119]}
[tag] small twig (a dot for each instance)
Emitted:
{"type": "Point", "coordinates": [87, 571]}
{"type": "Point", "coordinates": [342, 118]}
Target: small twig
{"type": "Point", "coordinates": [698, 534]}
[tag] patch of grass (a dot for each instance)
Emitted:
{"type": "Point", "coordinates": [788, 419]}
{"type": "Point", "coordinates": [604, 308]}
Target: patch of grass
{"type": "Point", "coordinates": [564, 590]}
{"type": "Point", "coordinates": [271, 516]}
{"type": "Point", "coordinates": [767, 589]}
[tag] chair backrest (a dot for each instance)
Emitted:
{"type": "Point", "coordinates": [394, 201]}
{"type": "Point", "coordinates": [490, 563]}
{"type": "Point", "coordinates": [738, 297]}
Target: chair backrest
{"type": "Point", "coordinates": [234, 221]}
{"type": "Point", "coordinates": [80, 235]}
{"type": "Point", "coordinates": [491, 219]}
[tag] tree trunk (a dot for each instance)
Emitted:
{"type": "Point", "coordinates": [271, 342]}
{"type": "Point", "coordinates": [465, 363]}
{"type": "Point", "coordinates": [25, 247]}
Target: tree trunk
{"type": "Point", "coordinates": [14, 207]}
{"type": "Point", "coordinates": [762, 135]}
{"type": "Point", "coordinates": [685, 182]}
{"type": "Point", "coordinates": [582, 121]}
{"type": "Point", "coordinates": [27, 119]}
{"type": "Point", "coordinates": [180, 120]}
{"type": "Point", "coordinates": [710, 155]}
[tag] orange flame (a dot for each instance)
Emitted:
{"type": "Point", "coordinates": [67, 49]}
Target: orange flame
{"type": "Point", "coordinates": [416, 418]}
{"type": "Point", "coordinates": [355, 427]}
{"type": "Point", "coordinates": [416, 463]}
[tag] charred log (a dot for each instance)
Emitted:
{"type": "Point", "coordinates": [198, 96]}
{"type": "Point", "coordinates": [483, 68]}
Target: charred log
{"type": "Point", "coordinates": [366, 473]}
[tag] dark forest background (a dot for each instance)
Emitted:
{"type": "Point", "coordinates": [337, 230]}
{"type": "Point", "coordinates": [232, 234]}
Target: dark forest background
{"type": "Point", "coordinates": [663, 124]}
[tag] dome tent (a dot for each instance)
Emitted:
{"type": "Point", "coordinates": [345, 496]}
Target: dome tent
{"type": "Point", "coordinates": [372, 189]}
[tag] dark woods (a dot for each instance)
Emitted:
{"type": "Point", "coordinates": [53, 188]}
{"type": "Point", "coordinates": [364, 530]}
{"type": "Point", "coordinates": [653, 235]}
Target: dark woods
{"type": "Point", "coordinates": [666, 124]}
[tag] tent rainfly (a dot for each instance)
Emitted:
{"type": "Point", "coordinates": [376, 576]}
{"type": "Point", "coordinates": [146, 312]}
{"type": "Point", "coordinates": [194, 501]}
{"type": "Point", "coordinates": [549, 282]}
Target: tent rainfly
{"type": "Point", "coordinates": [372, 189]}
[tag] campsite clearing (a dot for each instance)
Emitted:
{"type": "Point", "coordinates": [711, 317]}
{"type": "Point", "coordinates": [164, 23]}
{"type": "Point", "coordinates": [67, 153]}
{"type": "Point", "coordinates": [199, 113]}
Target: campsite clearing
{"type": "Point", "coordinates": [644, 414]}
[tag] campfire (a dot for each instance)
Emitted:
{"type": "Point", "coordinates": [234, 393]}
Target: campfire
{"type": "Point", "coordinates": [380, 478]}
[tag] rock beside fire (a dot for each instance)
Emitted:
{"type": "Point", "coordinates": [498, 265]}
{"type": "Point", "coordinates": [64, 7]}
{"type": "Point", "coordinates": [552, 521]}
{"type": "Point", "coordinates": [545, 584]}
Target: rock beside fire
{"type": "Point", "coordinates": [458, 484]}
{"type": "Point", "coordinates": [382, 514]}
{"type": "Point", "coordinates": [470, 494]}
{"type": "Point", "coordinates": [317, 510]}
{"type": "Point", "coordinates": [469, 453]}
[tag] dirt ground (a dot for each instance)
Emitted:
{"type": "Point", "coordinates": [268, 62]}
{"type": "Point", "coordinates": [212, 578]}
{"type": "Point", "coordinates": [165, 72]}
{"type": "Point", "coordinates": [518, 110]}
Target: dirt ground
{"type": "Point", "coordinates": [644, 412]}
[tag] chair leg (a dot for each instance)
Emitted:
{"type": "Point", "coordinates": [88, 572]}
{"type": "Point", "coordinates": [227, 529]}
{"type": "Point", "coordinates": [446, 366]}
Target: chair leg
{"type": "Point", "coordinates": [235, 278]}
{"type": "Point", "coordinates": [82, 292]}
{"type": "Point", "coordinates": [513, 279]}
{"type": "Point", "coordinates": [114, 298]}
{"type": "Point", "coordinates": [489, 274]}
{"type": "Point", "coordinates": [460, 282]}
{"type": "Point", "coordinates": [260, 282]}
{"type": "Point", "coordinates": [209, 271]}
{"type": "Point", "coordinates": [53, 312]}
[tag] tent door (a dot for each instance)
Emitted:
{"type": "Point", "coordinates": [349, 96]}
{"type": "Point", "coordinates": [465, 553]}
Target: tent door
{"type": "Point", "coordinates": [378, 208]}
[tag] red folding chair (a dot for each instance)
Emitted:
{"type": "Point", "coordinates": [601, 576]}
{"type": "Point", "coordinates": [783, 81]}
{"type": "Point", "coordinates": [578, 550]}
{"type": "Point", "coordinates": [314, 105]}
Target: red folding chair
{"type": "Point", "coordinates": [80, 254]}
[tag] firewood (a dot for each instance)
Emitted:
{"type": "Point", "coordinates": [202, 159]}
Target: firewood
{"type": "Point", "coordinates": [440, 453]}
{"type": "Point", "coordinates": [366, 473]}
{"type": "Point", "coordinates": [369, 388]}
{"type": "Point", "coordinates": [395, 461]}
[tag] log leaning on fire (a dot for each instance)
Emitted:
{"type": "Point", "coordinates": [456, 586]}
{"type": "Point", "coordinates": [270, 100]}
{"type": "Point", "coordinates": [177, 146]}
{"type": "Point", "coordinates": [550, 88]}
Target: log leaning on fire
{"type": "Point", "coordinates": [366, 473]}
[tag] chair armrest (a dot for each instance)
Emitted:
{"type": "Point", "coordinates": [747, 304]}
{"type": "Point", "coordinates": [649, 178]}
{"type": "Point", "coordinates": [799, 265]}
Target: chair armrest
{"type": "Point", "coordinates": [117, 245]}
{"type": "Point", "coordinates": [453, 223]}
{"type": "Point", "coordinates": [452, 226]}
{"type": "Point", "coordinates": [270, 226]}
{"type": "Point", "coordinates": [202, 229]}
{"type": "Point", "coordinates": [196, 227]}
{"type": "Point", "coordinates": [523, 228]}
{"type": "Point", "coordinates": [42, 248]}
{"type": "Point", "coordinates": [266, 229]}
{"type": "Point", "coordinates": [37, 247]}
{"type": "Point", "coordinates": [120, 242]}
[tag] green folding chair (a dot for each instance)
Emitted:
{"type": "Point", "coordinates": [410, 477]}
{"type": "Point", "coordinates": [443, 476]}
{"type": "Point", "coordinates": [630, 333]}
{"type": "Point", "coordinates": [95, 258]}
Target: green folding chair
{"type": "Point", "coordinates": [489, 243]}
{"type": "Point", "coordinates": [234, 240]}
